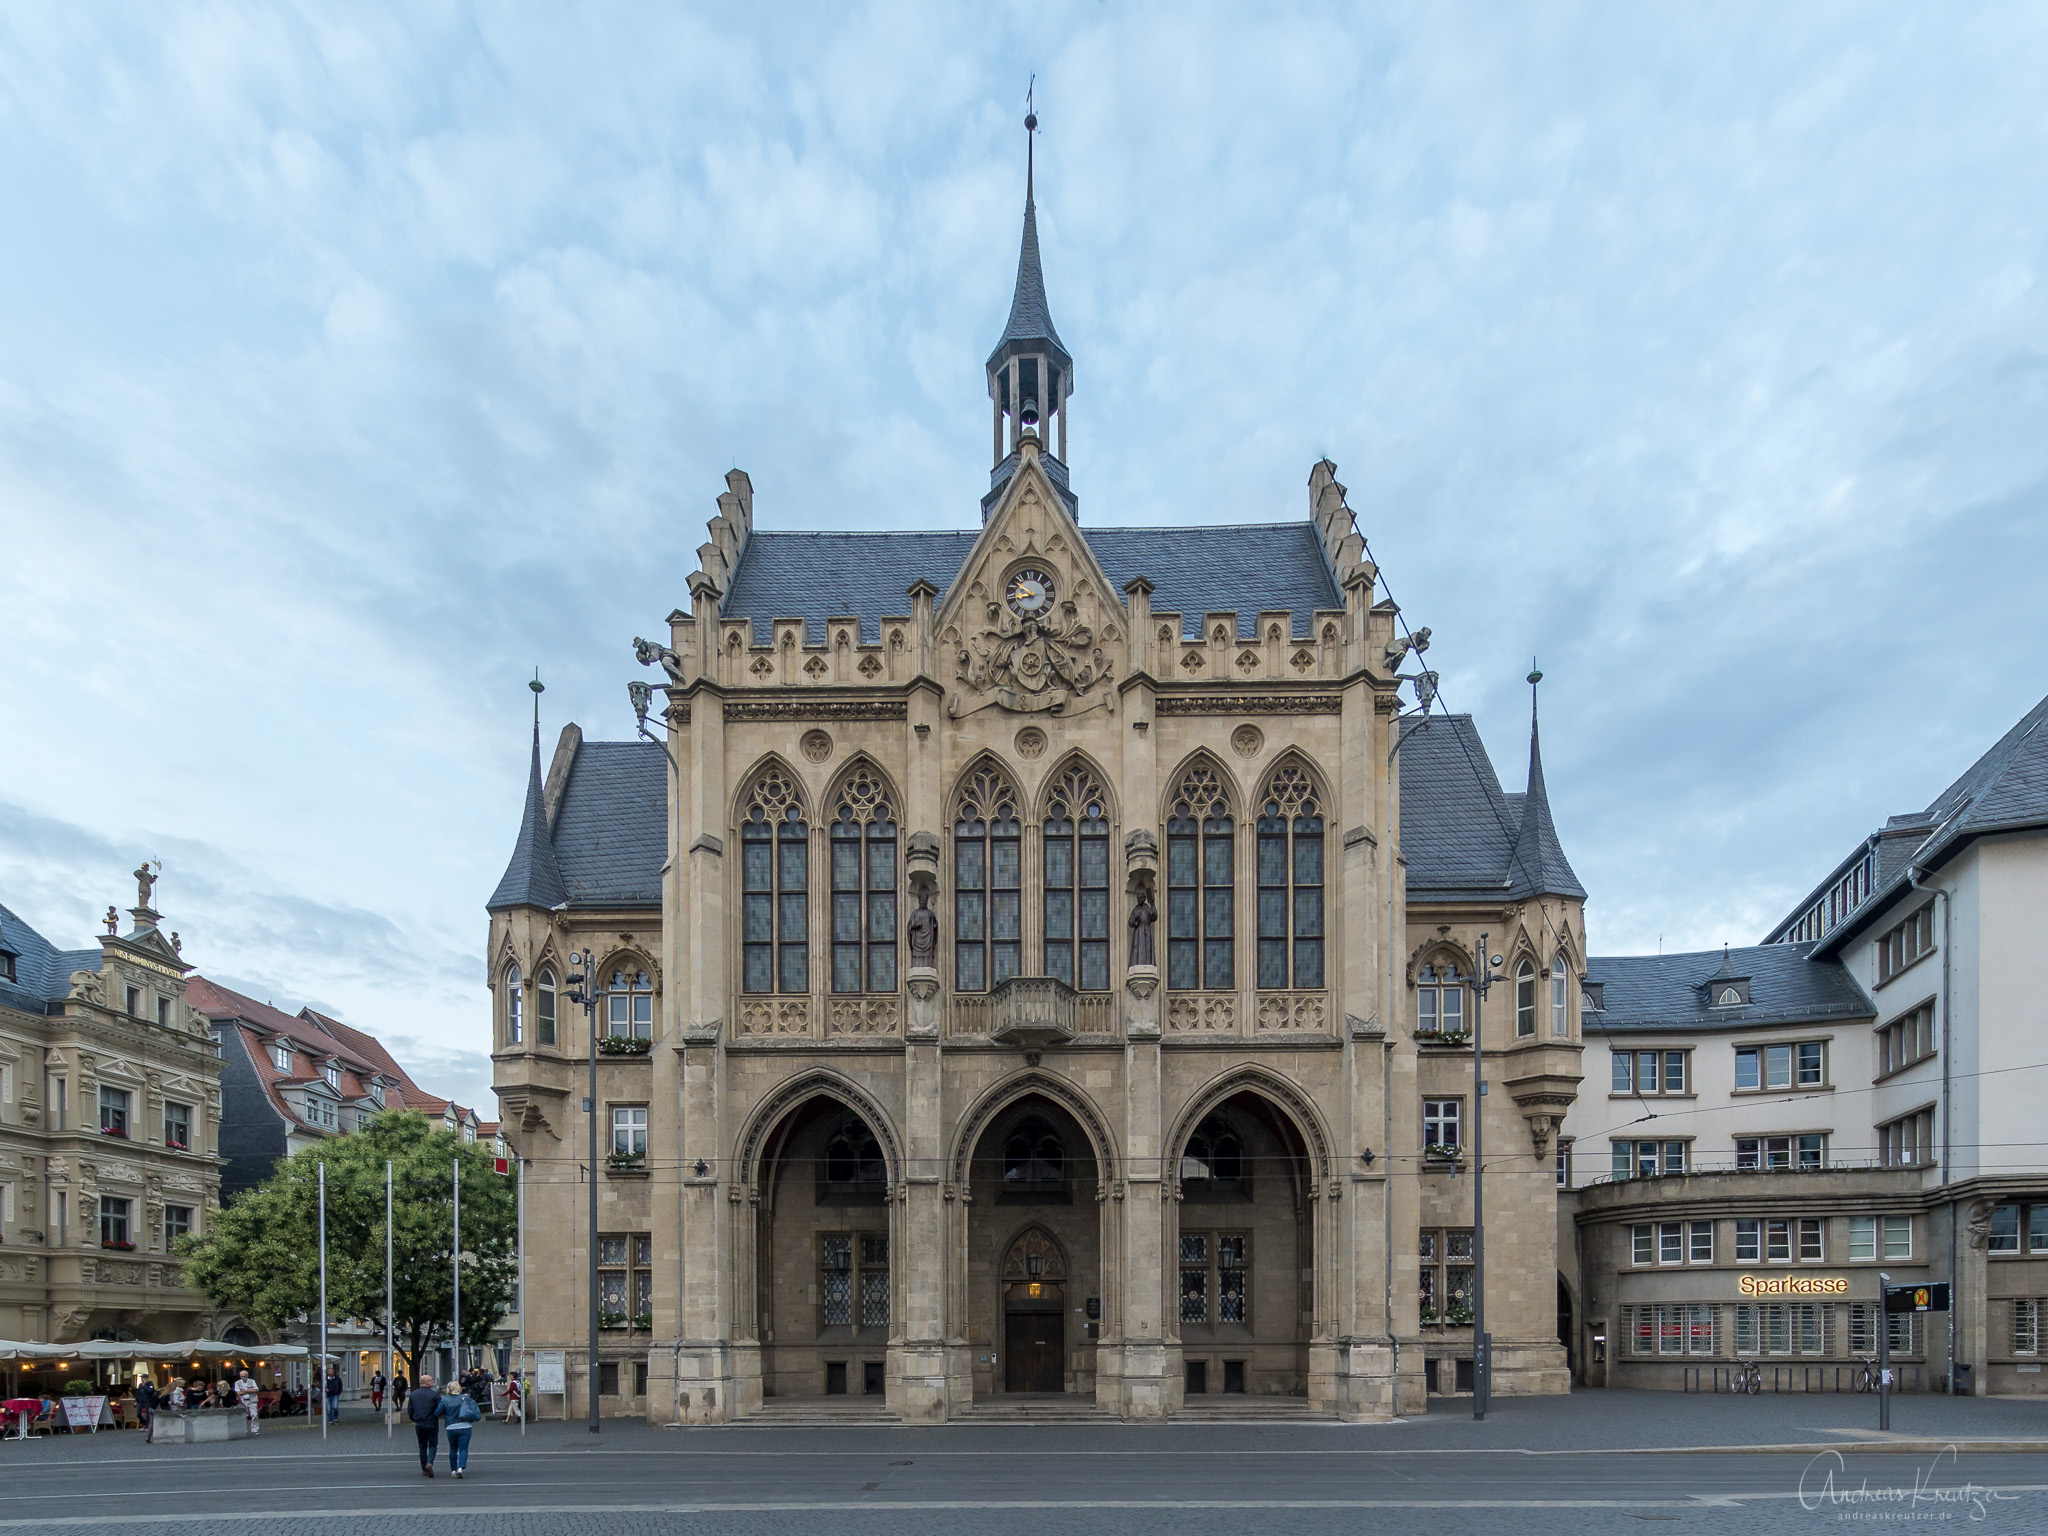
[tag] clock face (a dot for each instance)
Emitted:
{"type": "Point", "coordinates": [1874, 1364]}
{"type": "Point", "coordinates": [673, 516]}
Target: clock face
{"type": "Point", "coordinates": [1030, 592]}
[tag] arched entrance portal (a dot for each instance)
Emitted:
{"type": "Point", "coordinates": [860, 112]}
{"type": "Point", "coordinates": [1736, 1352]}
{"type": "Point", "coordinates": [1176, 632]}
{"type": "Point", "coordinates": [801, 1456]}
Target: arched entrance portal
{"type": "Point", "coordinates": [1034, 1252]}
{"type": "Point", "coordinates": [1034, 1314]}
{"type": "Point", "coordinates": [823, 1255]}
{"type": "Point", "coordinates": [1244, 1251]}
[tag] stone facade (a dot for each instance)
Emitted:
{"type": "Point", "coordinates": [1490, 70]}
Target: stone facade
{"type": "Point", "coordinates": [1014, 986]}
{"type": "Point", "coordinates": [109, 1113]}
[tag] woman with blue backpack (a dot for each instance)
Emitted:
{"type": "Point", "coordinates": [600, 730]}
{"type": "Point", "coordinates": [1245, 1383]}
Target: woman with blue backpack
{"type": "Point", "coordinates": [459, 1412]}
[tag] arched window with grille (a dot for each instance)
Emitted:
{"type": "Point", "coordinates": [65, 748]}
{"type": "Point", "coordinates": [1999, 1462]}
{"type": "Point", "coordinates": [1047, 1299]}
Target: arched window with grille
{"type": "Point", "coordinates": [544, 1007]}
{"type": "Point", "coordinates": [863, 885]}
{"type": "Point", "coordinates": [1560, 995]}
{"type": "Point", "coordinates": [515, 1009]}
{"type": "Point", "coordinates": [629, 1005]}
{"type": "Point", "coordinates": [1525, 999]}
{"type": "Point", "coordinates": [988, 883]}
{"type": "Point", "coordinates": [1290, 882]}
{"type": "Point", "coordinates": [1201, 913]}
{"type": "Point", "coordinates": [775, 876]}
{"type": "Point", "coordinates": [1077, 882]}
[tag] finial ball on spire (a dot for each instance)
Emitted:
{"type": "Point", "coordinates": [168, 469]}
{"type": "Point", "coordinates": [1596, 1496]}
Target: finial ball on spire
{"type": "Point", "coordinates": [1031, 122]}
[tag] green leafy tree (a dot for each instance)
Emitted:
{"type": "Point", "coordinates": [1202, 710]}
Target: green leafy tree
{"type": "Point", "coordinates": [261, 1255]}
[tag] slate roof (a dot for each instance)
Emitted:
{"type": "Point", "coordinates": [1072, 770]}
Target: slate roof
{"type": "Point", "coordinates": [1787, 985]}
{"type": "Point", "coordinates": [532, 878]}
{"type": "Point", "coordinates": [1030, 327]}
{"type": "Point", "coordinates": [613, 821]}
{"type": "Point", "coordinates": [2005, 790]}
{"type": "Point", "coordinates": [1193, 571]}
{"type": "Point", "coordinates": [1463, 838]}
{"type": "Point", "coordinates": [42, 971]}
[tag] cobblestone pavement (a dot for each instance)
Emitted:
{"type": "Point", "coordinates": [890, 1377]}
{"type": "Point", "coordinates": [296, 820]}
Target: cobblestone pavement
{"type": "Point", "coordinates": [1595, 1462]}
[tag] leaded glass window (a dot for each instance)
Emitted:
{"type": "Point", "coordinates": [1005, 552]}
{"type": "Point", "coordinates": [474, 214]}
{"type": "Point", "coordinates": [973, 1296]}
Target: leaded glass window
{"type": "Point", "coordinates": [863, 886]}
{"type": "Point", "coordinates": [775, 883]}
{"type": "Point", "coordinates": [988, 880]}
{"type": "Point", "coordinates": [1194, 1277]}
{"type": "Point", "coordinates": [853, 1280]}
{"type": "Point", "coordinates": [1077, 882]}
{"type": "Point", "coordinates": [874, 1279]}
{"type": "Point", "coordinates": [1290, 860]}
{"type": "Point", "coordinates": [835, 1258]}
{"type": "Point", "coordinates": [1200, 888]}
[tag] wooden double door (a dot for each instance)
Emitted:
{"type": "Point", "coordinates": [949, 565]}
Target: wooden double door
{"type": "Point", "coordinates": [1034, 1352]}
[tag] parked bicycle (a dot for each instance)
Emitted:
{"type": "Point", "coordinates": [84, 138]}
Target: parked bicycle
{"type": "Point", "coordinates": [1748, 1378]}
{"type": "Point", "coordinates": [1865, 1377]}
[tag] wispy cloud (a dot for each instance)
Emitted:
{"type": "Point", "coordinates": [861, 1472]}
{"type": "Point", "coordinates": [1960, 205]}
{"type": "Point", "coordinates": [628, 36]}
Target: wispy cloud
{"type": "Point", "coordinates": [356, 360]}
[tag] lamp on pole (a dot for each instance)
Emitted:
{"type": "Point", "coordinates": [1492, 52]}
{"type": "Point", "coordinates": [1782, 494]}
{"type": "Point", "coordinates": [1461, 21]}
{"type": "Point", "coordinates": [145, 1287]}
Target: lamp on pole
{"type": "Point", "coordinates": [583, 989]}
{"type": "Point", "coordinates": [1482, 1342]}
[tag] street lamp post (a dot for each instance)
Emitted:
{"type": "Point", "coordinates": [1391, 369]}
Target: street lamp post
{"type": "Point", "coordinates": [583, 989]}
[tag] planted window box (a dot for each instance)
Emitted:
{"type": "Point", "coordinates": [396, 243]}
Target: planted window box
{"type": "Point", "coordinates": [611, 1319]}
{"type": "Point", "coordinates": [114, 1130]}
{"type": "Point", "coordinates": [1459, 1317]}
{"type": "Point", "coordinates": [644, 1322]}
{"type": "Point", "coordinates": [623, 1045]}
{"type": "Point", "coordinates": [1441, 1155]}
{"type": "Point", "coordinates": [625, 1159]}
{"type": "Point", "coordinates": [117, 1244]}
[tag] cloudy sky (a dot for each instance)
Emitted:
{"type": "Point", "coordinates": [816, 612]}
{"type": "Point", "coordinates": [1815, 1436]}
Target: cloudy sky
{"type": "Point", "coordinates": [355, 362]}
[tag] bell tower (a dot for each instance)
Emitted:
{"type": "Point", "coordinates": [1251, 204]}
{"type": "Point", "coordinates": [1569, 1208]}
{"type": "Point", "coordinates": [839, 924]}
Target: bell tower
{"type": "Point", "coordinates": [1030, 375]}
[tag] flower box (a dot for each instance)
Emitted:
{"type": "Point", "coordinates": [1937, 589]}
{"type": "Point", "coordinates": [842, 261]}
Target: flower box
{"type": "Point", "coordinates": [1459, 1317]}
{"type": "Point", "coordinates": [176, 1146]}
{"type": "Point", "coordinates": [113, 1130]}
{"type": "Point", "coordinates": [1441, 1154]}
{"type": "Point", "coordinates": [611, 1319]}
{"type": "Point", "coordinates": [644, 1322]}
{"type": "Point", "coordinates": [625, 1159]}
{"type": "Point", "coordinates": [108, 1242]}
{"type": "Point", "coordinates": [623, 1045]}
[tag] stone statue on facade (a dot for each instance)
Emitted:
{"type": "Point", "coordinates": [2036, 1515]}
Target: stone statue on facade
{"type": "Point", "coordinates": [1143, 915]}
{"type": "Point", "coordinates": [923, 929]}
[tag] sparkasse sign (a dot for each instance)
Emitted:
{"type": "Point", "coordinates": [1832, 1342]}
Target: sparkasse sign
{"type": "Point", "coordinates": [1792, 1285]}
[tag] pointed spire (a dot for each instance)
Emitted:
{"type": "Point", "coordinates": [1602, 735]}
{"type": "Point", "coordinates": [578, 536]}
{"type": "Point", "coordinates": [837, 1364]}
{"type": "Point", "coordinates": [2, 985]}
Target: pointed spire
{"type": "Point", "coordinates": [1030, 327]}
{"type": "Point", "coordinates": [1537, 866]}
{"type": "Point", "coordinates": [533, 878]}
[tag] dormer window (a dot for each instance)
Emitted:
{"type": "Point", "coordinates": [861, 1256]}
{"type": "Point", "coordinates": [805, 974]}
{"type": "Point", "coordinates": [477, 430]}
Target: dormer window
{"type": "Point", "coordinates": [1728, 992]}
{"type": "Point", "coordinates": [7, 971]}
{"type": "Point", "coordinates": [281, 1054]}
{"type": "Point", "coordinates": [1591, 996]}
{"type": "Point", "coordinates": [333, 1075]}
{"type": "Point", "coordinates": [377, 1091]}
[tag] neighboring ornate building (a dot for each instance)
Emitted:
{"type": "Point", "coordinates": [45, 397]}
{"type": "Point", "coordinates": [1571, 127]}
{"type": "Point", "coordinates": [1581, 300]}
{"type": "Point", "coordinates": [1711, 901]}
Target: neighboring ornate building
{"type": "Point", "coordinates": [109, 1109]}
{"type": "Point", "coordinates": [1035, 958]}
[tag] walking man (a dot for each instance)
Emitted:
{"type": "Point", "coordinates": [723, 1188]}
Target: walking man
{"type": "Point", "coordinates": [333, 1393]}
{"type": "Point", "coordinates": [423, 1407]}
{"type": "Point", "coordinates": [246, 1394]}
{"type": "Point", "coordinates": [377, 1391]}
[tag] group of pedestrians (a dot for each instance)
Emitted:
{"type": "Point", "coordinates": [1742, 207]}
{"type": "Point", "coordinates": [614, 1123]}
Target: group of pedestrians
{"type": "Point", "coordinates": [432, 1409]}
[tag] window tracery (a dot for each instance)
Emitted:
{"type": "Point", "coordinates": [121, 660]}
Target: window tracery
{"type": "Point", "coordinates": [1200, 872]}
{"type": "Point", "coordinates": [1214, 1161]}
{"type": "Point", "coordinates": [629, 1004]}
{"type": "Point", "coordinates": [775, 886]}
{"type": "Point", "coordinates": [1077, 881]}
{"type": "Point", "coordinates": [1290, 865]}
{"type": "Point", "coordinates": [1440, 999]}
{"type": "Point", "coordinates": [1034, 1157]}
{"type": "Point", "coordinates": [988, 882]}
{"type": "Point", "coordinates": [864, 905]}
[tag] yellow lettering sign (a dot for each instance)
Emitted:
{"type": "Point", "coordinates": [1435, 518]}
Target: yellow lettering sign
{"type": "Point", "coordinates": [1792, 1285]}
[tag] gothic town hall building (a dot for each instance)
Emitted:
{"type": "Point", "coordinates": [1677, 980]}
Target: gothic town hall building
{"type": "Point", "coordinates": [1036, 959]}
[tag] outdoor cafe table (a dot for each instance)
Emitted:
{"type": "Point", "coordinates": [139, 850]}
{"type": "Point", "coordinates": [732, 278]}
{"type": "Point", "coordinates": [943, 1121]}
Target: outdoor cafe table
{"type": "Point", "coordinates": [23, 1409]}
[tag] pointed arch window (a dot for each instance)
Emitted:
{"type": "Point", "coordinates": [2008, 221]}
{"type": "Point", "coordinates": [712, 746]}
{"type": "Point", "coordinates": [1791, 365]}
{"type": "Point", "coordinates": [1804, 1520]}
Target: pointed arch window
{"type": "Point", "coordinates": [775, 875]}
{"type": "Point", "coordinates": [1214, 1162]}
{"type": "Point", "coordinates": [863, 886]}
{"type": "Point", "coordinates": [1440, 1000]}
{"type": "Point", "coordinates": [544, 1007]}
{"type": "Point", "coordinates": [1290, 882]}
{"type": "Point", "coordinates": [515, 1012]}
{"type": "Point", "coordinates": [853, 1170]}
{"type": "Point", "coordinates": [1200, 911]}
{"type": "Point", "coordinates": [1525, 999]}
{"type": "Point", "coordinates": [1034, 1159]}
{"type": "Point", "coordinates": [988, 884]}
{"type": "Point", "coordinates": [1560, 993]}
{"type": "Point", "coordinates": [1077, 883]}
{"type": "Point", "coordinates": [629, 1005]}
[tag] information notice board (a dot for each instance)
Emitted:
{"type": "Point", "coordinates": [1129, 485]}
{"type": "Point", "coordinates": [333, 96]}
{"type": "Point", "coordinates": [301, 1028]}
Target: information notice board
{"type": "Point", "coordinates": [548, 1371]}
